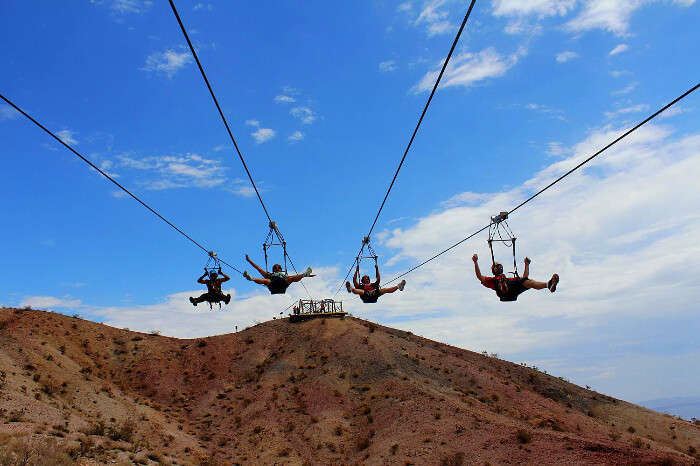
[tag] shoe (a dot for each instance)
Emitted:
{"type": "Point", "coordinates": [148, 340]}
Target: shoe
{"type": "Point", "coordinates": [227, 299]}
{"type": "Point", "coordinates": [402, 285]}
{"type": "Point", "coordinates": [552, 284]}
{"type": "Point", "coordinates": [194, 303]}
{"type": "Point", "coordinates": [246, 275]}
{"type": "Point", "coordinates": [347, 285]}
{"type": "Point", "coordinates": [307, 272]}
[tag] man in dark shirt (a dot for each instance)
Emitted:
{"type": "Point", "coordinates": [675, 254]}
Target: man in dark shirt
{"type": "Point", "coordinates": [214, 293]}
{"type": "Point", "coordinates": [370, 292]}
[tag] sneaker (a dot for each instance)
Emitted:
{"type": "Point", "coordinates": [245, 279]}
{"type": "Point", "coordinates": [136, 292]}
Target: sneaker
{"type": "Point", "coordinates": [246, 275]}
{"type": "Point", "coordinates": [227, 299]}
{"type": "Point", "coordinates": [194, 303]}
{"type": "Point", "coordinates": [402, 285]}
{"type": "Point", "coordinates": [552, 283]}
{"type": "Point", "coordinates": [307, 272]}
{"type": "Point", "coordinates": [347, 285]}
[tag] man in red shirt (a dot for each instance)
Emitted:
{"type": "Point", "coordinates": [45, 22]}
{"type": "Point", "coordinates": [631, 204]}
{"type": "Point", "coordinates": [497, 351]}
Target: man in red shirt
{"type": "Point", "coordinates": [370, 292]}
{"type": "Point", "coordinates": [508, 289]}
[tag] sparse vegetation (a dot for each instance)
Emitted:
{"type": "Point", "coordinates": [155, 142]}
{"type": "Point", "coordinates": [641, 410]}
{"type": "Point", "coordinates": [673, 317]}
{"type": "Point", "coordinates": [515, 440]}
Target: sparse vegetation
{"type": "Point", "coordinates": [523, 436]}
{"type": "Point", "coordinates": [452, 460]}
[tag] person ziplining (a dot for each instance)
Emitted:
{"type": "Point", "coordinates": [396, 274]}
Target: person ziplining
{"type": "Point", "coordinates": [276, 281]}
{"type": "Point", "coordinates": [213, 283]}
{"type": "Point", "coordinates": [509, 288]}
{"type": "Point", "coordinates": [370, 292]}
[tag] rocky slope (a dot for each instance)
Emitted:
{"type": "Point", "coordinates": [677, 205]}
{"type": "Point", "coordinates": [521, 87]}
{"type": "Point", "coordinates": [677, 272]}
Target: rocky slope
{"type": "Point", "coordinates": [326, 391]}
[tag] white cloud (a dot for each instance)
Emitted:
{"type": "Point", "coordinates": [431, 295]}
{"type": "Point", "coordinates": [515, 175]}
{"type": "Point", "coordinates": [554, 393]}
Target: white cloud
{"type": "Point", "coordinates": [552, 112]}
{"type": "Point", "coordinates": [203, 6]}
{"type": "Point", "coordinates": [168, 62]}
{"type": "Point", "coordinates": [254, 123]}
{"type": "Point", "coordinates": [555, 149]}
{"type": "Point", "coordinates": [434, 17]}
{"type": "Point", "coordinates": [47, 302]}
{"type": "Point", "coordinates": [405, 6]}
{"type": "Point", "coordinates": [468, 68]}
{"type": "Point", "coordinates": [625, 90]}
{"type": "Point", "coordinates": [619, 49]}
{"type": "Point", "coordinates": [262, 135]}
{"type": "Point", "coordinates": [66, 136]}
{"type": "Point", "coordinates": [130, 6]}
{"type": "Point", "coordinates": [305, 114]}
{"type": "Point", "coordinates": [439, 27]}
{"type": "Point", "coordinates": [563, 57]}
{"type": "Point", "coordinates": [626, 110]}
{"type": "Point", "coordinates": [7, 112]}
{"type": "Point", "coordinates": [610, 15]}
{"type": "Point", "coordinates": [174, 171]}
{"type": "Point", "coordinates": [617, 73]}
{"type": "Point", "coordinates": [284, 99]}
{"type": "Point", "coordinates": [540, 8]}
{"type": "Point", "coordinates": [296, 136]}
{"type": "Point", "coordinates": [387, 66]}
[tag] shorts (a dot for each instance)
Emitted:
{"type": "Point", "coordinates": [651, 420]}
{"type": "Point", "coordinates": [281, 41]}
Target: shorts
{"type": "Point", "coordinates": [515, 288]}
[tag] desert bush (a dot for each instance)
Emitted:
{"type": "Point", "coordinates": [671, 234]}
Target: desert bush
{"type": "Point", "coordinates": [453, 460]}
{"type": "Point", "coordinates": [523, 436]}
{"type": "Point", "coordinates": [97, 428]}
{"type": "Point", "coordinates": [631, 430]}
{"type": "Point", "coordinates": [28, 452]}
{"type": "Point", "coordinates": [155, 333]}
{"type": "Point", "coordinates": [123, 431]}
{"type": "Point", "coordinates": [16, 415]}
{"type": "Point", "coordinates": [394, 448]}
{"type": "Point", "coordinates": [637, 442]}
{"type": "Point", "coordinates": [362, 443]}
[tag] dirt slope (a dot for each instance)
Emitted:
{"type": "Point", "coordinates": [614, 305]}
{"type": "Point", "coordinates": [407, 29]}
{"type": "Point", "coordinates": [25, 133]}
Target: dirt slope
{"type": "Point", "coordinates": [321, 392]}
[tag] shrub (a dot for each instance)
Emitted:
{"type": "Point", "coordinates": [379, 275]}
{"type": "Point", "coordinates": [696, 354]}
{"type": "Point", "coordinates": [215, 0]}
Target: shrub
{"type": "Point", "coordinates": [637, 442]}
{"type": "Point", "coordinates": [363, 443]}
{"type": "Point", "coordinates": [124, 431]}
{"type": "Point", "coordinates": [453, 460]}
{"type": "Point", "coordinates": [98, 428]}
{"type": "Point", "coordinates": [631, 430]}
{"type": "Point", "coordinates": [394, 448]}
{"type": "Point", "coordinates": [523, 436]}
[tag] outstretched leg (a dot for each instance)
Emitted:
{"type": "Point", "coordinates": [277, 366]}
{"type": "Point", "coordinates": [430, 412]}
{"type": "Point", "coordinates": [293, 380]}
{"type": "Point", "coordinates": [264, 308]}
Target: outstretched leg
{"type": "Point", "coordinates": [199, 299]}
{"type": "Point", "coordinates": [551, 284]}
{"type": "Point", "coordinates": [297, 278]}
{"type": "Point", "coordinates": [392, 289]}
{"type": "Point", "coordinates": [354, 290]}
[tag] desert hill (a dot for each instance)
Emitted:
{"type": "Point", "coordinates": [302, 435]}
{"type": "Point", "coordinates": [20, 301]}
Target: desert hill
{"type": "Point", "coordinates": [325, 391]}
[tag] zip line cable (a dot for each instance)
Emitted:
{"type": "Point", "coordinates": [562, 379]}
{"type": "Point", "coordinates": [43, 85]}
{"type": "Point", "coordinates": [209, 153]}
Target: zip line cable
{"type": "Point", "coordinates": [120, 186]}
{"type": "Point", "coordinates": [413, 136]}
{"type": "Point", "coordinates": [615, 141]}
{"type": "Point", "coordinates": [228, 128]}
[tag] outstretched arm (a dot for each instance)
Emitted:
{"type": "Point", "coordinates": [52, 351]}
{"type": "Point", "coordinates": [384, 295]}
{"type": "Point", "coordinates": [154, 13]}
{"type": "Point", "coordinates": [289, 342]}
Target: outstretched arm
{"type": "Point", "coordinates": [226, 277]}
{"type": "Point", "coordinates": [376, 272]}
{"type": "Point", "coordinates": [480, 277]}
{"type": "Point", "coordinates": [355, 283]}
{"type": "Point", "coordinates": [201, 279]}
{"type": "Point", "coordinates": [526, 272]}
{"type": "Point", "coordinates": [257, 267]}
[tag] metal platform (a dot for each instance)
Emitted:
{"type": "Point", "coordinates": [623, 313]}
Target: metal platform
{"type": "Point", "coordinates": [311, 309]}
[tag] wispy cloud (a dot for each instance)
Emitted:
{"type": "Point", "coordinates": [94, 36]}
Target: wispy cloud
{"type": "Point", "coordinates": [254, 123]}
{"type": "Point", "coordinates": [552, 112]}
{"type": "Point", "coordinates": [625, 90]}
{"type": "Point", "coordinates": [296, 136]}
{"type": "Point", "coordinates": [468, 68]}
{"type": "Point", "coordinates": [304, 114]}
{"type": "Point", "coordinates": [387, 66]}
{"type": "Point", "coordinates": [563, 57]}
{"type": "Point", "coordinates": [434, 17]}
{"type": "Point", "coordinates": [47, 302]}
{"type": "Point", "coordinates": [174, 171]}
{"type": "Point", "coordinates": [284, 99]}
{"type": "Point", "coordinates": [405, 6]}
{"type": "Point", "coordinates": [618, 73]}
{"type": "Point", "coordinates": [625, 110]}
{"type": "Point", "coordinates": [262, 135]}
{"type": "Point", "coordinates": [67, 136]}
{"type": "Point", "coordinates": [168, 62]}
{"type": "Point", "coordinates": [203, 6]}
{"type": "Point", "coordinates": [610, 15]}
{"type": "Point", "coordinates": [555, 149]}
{"type": "Point", "coordinates": [619, 49]}
{"type": "Point", "coordinates": [540, 8]}
{"type": "Point", "coordinates": [7, 112]}
{"type": "Point", "coordinates": [124, 7]}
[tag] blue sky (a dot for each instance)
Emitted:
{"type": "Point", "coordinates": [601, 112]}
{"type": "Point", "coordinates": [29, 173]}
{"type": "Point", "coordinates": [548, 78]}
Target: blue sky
{"type": "Point", "coordinates": [322, 98]}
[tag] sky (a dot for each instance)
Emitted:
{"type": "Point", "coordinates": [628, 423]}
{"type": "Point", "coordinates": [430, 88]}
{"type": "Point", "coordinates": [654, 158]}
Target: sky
{"type": "Point", "coordinates": [322, 98]}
